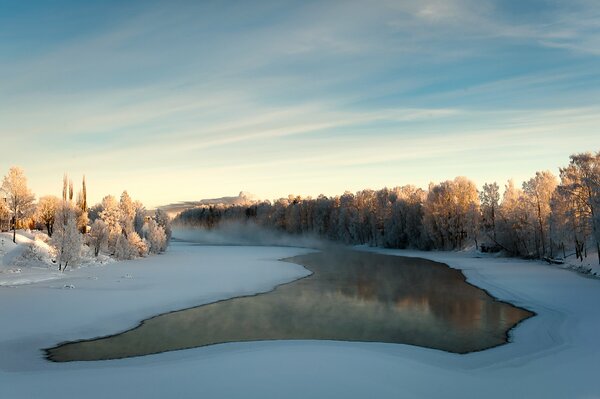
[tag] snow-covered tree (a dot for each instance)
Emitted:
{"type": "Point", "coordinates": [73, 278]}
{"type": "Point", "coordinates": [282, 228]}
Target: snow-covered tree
{"type": "Point", "coordinates": [111, 215]}
{"type": "Point", "coordinates": [67, 240]}
{"type": "Point", "coordinates": [140, 218]}
{"type": "Point", "coordinates": [82, 206]}
{"type": "Point", "coordinates": [94, 212]}
{"type": "Point", "coordinates": [451, 212]}
{"type": "Point", "coordinates": [130, 246]}
{"type": "Point", "coordinates": [164, 221]}
{"type": "Point", "coordinates": [4, 214]}
{"type": "Point", "coordinates": [98, 236]}
{"type": "Point", "coordinates": [127, 213]}
{"type": "Point", "coordinates": [46, 211]}
{"type": "Point", "coordinates": [562, 228]}
{"type": "Point", "coordinates": [155, 236]}
{"type": "Point", "coordinates": [490, 202]}
{"type": "Point", "coordinates": [138, 244]}
{"type": "Point", "coordinates": [19, 199]}
{"type": "Point", "coordinates": [538, 192]}
{"type": "Point", "coordinates": [580, 184]}
{"type": "Point", "coordinates": [516, 223]}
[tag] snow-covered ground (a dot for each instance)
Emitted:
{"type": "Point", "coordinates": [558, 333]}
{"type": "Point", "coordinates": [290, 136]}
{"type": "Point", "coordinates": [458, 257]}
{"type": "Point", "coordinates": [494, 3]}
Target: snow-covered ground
{"type": "Point", "coordinates": [553, 355]}
{"type": "Point", "coordinates": [589, 265]}
{"type": "Point", "coordinates": [31, 259]}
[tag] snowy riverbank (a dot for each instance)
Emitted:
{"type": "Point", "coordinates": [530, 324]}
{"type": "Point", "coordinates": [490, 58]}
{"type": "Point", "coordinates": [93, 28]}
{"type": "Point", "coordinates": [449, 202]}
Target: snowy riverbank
{"type": "Point", "coordinates": [553, 355]}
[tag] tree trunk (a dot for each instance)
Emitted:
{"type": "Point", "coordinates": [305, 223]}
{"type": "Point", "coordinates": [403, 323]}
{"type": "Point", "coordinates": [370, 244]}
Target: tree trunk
{"type": "Point", "coordinates": [15, 232]}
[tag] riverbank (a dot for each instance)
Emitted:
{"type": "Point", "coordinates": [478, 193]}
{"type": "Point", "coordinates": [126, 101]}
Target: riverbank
{"type": "Point", "coordinates": [552, 355]}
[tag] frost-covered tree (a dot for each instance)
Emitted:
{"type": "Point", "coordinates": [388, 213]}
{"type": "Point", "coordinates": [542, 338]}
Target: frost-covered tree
{"type": "Point", "coordinates": [94, 212]}
{"type": "Point", "coordinates": [164, 221]}
{"type": "Point", "coordinates": [562, 226]}
{"type": "Point", "coordinates": [46, 211]}
{"type": "Point", "coordinates": [4, 214]}
{"type": "Point", "coordinates": [98, 236]}
{"type": "Point", "coordinates": [490, 202]}
{"type": "Point", "coordinates": [139, 245]}
{"type": "Point", "coordinates": [111, 215]}
{"type": "Point", "coordinates": [19, 199]}
{"type": "Point", "coordinates": [155, 236]}
{"type": "Point", "coordinates": [127, 213]}
{"type": "Point", "coordinates": [516, 225]}
{"type": "Point", "coordinates": [67, 240]}
{"type": "Point", "coordinates": [580, 184]}
{"type": "Point", "coordinates": [538, 192]}
{"type": "Point", "coordinates": [130, 246]}
{"type": "Point", "coordinates": [451, 213]}
{"type": "Point", "coordinates": [403, 226]}
{"type": "Point", "coordinates": [82, 207]}
{"type": "Point", "coordinates": [140, 218]}
{"type": "Point", "coordinates": [122, 249]}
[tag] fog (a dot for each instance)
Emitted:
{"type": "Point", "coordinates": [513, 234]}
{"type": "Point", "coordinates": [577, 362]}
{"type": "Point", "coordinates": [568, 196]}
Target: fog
{"type": "Point", "coordinates": [248, 233]}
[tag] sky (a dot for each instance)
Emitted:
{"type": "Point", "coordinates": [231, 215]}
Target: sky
{"type": "Point", "coordinates": [184, 100]}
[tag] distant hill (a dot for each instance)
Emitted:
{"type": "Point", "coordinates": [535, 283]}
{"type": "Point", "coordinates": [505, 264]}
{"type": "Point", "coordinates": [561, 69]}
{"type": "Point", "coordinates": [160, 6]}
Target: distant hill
{"type": "Point", "coordinates": [243, 198]}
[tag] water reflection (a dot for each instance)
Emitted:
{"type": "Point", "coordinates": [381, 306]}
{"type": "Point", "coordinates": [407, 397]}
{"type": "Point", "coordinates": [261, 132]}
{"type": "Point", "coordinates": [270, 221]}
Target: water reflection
{"type": "Point", "coordinates": [351, 296]}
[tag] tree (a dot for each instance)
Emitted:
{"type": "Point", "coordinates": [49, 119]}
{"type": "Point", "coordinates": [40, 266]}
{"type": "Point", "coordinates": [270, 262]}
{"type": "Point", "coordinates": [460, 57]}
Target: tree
{"type": "Point", "coordinates": [98, 236]}
{"type": "Point", "coordinates": [516, 222]}
{"type": "Point", "coordinates": [538, 192]}
{"type": "Point", "coordinates": [111, 215]}
{"type": "Point", "coordinates": [580, 183]}
{"type": "Point", "coordinates": [164, 221]}
{"type": "Point", "coordinates": [140, 218]}
{"type": "Point", "coordinates": [46, 211]}
{"type": "Point", "coordinates": [561, 221]}
{"type": "Point", "coordinates": [451, 212]}
{"type": "Point", "coordinates": [155, 236]}
{"type": "Point", "coordinates": [4, 214]}
{"type": "Point", "coordinates": [67, 240]}
{"type": "Point", "coordinates": [130, 246]}
{"type": "Point", "coordinates": [19, 198]}
{"type": "Point", "coordinates": [82, 207]}
{"type": "Point", "coordinates": [490, 201]}
{"type": "Point", "coordinates": [127, 213]}
{"type": "Point", "coordinates": [94, 212]}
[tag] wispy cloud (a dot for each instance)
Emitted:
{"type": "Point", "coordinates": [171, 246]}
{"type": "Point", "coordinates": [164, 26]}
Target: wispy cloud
{"type": "Point", "coordinates": [271, 96]}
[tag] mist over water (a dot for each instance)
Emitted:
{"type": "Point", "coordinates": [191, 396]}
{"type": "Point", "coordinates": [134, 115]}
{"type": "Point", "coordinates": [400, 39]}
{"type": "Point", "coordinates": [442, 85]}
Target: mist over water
{"type": "Point", "coordinates": [248, 233]}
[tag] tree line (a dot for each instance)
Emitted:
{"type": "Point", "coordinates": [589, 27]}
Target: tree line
{"type": "Point", "coordinates": [120, 228]}
{"type": "Point", "coordinates": [547, 217]}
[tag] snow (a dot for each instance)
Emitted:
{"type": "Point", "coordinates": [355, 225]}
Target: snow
{"type": "Point", "coordinates": [32, 260]}
{"type": "Point", "coordinates": [589, 265]}
{"type": "Point", "coordinates": [553, 355]}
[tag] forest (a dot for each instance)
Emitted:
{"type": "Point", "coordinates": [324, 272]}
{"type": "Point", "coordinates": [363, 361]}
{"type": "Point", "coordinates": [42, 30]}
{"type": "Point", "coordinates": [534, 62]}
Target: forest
{"type": "Point", "coordinates": [547, 217]}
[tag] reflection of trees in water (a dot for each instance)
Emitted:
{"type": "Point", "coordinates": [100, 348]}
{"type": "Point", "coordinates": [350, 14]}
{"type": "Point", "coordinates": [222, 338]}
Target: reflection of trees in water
{"type": "Point", "coordinates": [351, 296]}
{"type": "Point", "coordinates": [414, 285]}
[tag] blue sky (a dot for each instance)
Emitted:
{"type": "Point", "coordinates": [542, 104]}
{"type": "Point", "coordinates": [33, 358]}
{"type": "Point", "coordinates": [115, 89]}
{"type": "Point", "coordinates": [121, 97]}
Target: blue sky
{"type": "Point", "coordinates": [184, 100]}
